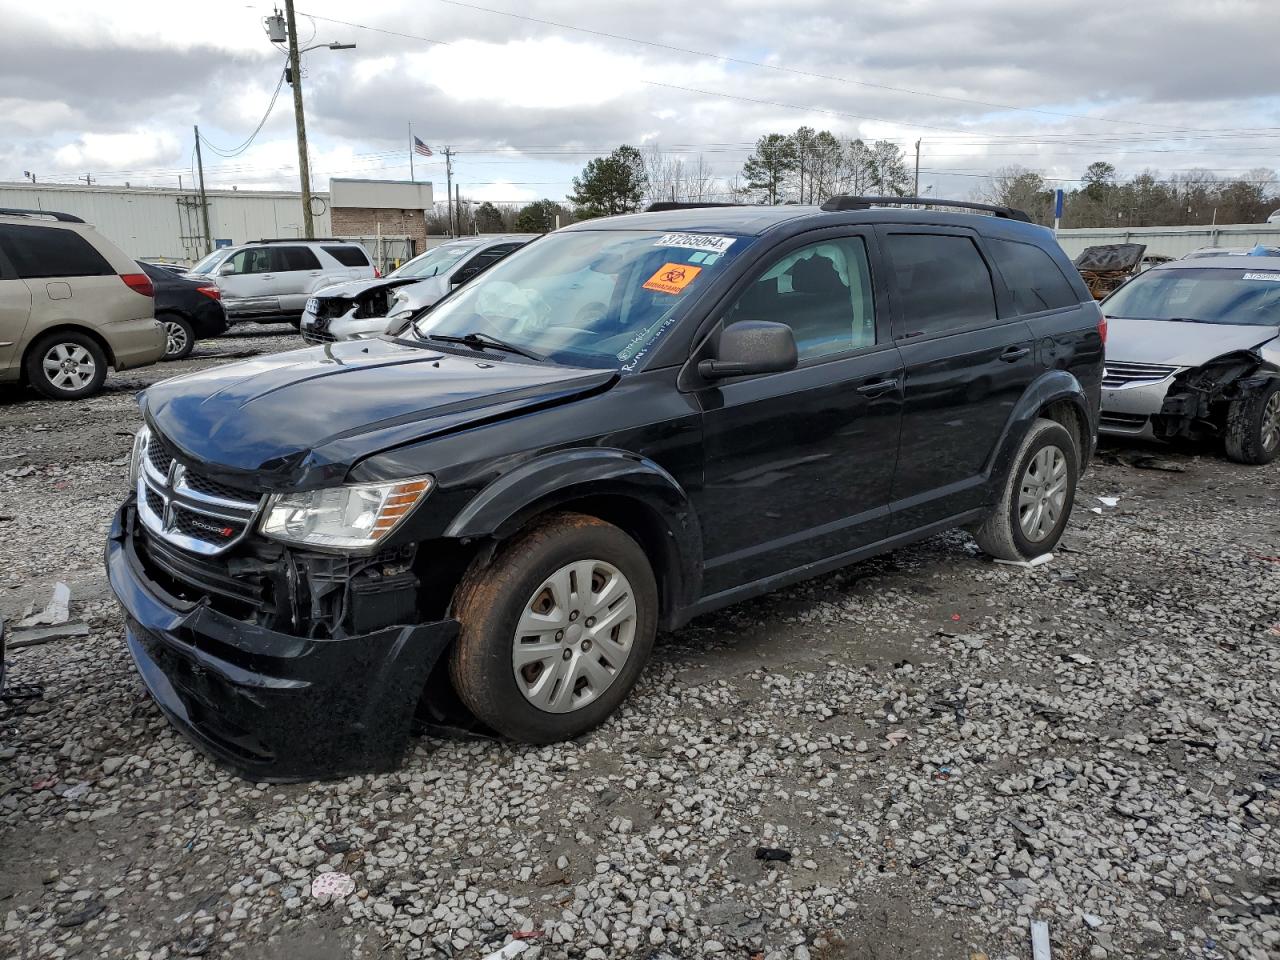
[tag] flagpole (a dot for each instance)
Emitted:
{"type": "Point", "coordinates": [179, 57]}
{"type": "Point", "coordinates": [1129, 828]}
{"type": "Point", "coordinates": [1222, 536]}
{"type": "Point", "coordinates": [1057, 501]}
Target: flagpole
{"type": "Point", "coordinates": [411, 176]}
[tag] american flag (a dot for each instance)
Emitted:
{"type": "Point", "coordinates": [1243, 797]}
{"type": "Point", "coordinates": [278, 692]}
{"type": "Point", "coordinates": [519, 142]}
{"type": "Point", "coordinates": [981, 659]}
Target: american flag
{"type": "Point", "coordinates": [420, 148]}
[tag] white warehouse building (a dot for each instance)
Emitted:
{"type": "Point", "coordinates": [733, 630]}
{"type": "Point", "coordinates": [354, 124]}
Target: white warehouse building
{"type": "Point", "coordinates": [165, 223]}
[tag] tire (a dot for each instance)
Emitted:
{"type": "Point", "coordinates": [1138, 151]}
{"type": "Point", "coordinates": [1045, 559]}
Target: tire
{"type": "Point", "coordinates": [180, 336]}
{"type": "Point", "coordinates": [66, 365]}
{"type": "Point", "coordinates": [1253, 426]}
{"type": "Point", "coordinates": [1003, 534]}
{"type": "Point", "coordinates": [579, 683]}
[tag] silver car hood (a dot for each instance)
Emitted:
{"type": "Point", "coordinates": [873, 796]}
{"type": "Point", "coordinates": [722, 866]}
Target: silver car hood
{"type": "Point", "coordinates": [1179, 343]}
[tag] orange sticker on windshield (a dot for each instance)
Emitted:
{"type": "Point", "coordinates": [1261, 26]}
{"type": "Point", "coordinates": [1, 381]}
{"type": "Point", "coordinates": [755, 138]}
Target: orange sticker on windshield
{"type": "Point", "coordinates": [672, 277]}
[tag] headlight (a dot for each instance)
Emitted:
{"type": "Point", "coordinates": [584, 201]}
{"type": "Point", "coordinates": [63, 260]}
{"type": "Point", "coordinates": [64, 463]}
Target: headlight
{"type": "Point", "coordinates": [349, 518]}
{"type": "Point", "coordinates": [139, 451]}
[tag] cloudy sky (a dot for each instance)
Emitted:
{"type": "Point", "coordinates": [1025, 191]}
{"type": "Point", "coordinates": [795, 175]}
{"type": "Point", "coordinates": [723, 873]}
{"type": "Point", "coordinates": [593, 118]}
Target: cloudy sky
{"type": "Point", "coordinates": [528, 91]}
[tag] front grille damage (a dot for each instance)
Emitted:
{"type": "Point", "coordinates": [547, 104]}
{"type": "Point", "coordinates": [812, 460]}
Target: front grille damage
{"type": "Point", "coordinates": [1198, 400]}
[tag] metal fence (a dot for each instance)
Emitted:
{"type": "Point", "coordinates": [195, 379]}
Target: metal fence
{"type": "Point", "coordinates": [1173, 241]}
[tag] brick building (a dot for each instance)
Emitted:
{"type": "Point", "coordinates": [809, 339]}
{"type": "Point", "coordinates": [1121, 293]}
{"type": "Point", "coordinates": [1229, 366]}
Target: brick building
{"type": "Point", "coordinates": [394, 208]}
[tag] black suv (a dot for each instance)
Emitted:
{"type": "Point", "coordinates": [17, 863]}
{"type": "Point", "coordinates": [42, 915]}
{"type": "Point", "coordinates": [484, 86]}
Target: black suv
{"type": "Point", "coordinates": [625, 424]}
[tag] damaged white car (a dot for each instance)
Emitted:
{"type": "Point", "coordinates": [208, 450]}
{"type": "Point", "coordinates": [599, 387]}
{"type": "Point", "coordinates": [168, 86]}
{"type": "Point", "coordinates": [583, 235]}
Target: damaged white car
{"type": "Point", "coordinates": [366, 308]}
{"type": "Point", "coordinates": [1193, 350]}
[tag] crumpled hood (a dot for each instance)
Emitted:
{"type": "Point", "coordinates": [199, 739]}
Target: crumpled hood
{"type": "Point", "coordinates": [353, 288]}
{"type": "Point", "coordinates": [1177, 342]}
{"type": "Point", "coordinates": [301, 419]}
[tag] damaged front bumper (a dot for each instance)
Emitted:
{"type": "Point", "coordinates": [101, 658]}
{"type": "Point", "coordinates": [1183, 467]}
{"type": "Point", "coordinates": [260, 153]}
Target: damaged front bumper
{"type": "Point", "coordinates": [272, 706]}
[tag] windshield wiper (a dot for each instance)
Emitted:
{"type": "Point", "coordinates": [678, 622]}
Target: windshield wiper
{"type": "Point", "coordinates": [479, 341]}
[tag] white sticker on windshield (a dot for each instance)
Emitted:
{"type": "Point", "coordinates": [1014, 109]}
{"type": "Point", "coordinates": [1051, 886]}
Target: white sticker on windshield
{"type": "Point", "coordinates": [695, 241]}
{"type": "Point", "coordinates": [1262, 276]}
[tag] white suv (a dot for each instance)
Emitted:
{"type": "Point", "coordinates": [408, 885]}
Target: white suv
{"type": "Point", "coordinates": [270, 280]}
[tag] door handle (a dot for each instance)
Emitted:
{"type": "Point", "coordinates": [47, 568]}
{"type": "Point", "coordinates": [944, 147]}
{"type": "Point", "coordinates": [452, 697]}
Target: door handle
{"type": "Point", "coordinates": [1014, 354]}
{"type": "Point", "coordinates": [877, 387]}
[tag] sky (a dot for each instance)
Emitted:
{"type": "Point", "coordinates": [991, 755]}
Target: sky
{"type": "Point", "coordinates": [527, 92]}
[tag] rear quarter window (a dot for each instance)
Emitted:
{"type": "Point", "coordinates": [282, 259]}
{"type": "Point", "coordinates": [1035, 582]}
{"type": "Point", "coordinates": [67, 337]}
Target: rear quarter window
{"type": "Point", "coordinates": [348, 256]}
{"type": "Point", "coordinates": [1034, 280]}
{"type": "Point", "coordinates": [42, 252]}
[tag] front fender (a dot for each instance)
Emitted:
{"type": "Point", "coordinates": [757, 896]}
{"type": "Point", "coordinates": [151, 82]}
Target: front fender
{"type": "Point", "coordinates": [661, 504]}
{"type": "Point", "coordinates": [1053, 386]}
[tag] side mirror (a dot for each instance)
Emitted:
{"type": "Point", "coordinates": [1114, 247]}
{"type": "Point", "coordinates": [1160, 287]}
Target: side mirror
{"type": "Point", "coordinates": [227, 269]}
{"type": "Point", "coordinates": [752, 346]}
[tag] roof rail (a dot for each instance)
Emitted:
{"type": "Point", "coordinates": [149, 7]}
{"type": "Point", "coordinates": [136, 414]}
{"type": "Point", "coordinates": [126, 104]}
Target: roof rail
{"type": "Point", "coordinates": [663, 205]}
{"type": "Point", "coordinates": [848, 202]}
{"type": "Point", "coordinates": [303, 240]}
{"type": "Point", "coordinates": [47, 214]}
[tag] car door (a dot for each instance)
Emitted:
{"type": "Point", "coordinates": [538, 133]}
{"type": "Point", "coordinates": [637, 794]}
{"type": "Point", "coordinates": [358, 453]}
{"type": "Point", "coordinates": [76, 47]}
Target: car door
{"type": "Point", "coordinates": [15, 310]}
{"type": "Point", "coordinates": [799, 464]}
{"type": "Point", "coordinates": [297, 273]}
{"type": "Point", "coordinates": [966, 368]}
{"type": "Point", "coordinates": [249, 277]}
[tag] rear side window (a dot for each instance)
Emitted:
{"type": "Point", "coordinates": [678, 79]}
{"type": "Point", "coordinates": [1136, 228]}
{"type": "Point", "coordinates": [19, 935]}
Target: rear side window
{"type": "Point", "coordinates": [943, 284]}
{"type": "Point", "coordinates": [1033, 278]}
{"type": "Point", "coordinates": [348, 256]}
{"type": "Point", "coordinates": [41, 252]}
{"type": "Point", "coordinates": [296, 258]}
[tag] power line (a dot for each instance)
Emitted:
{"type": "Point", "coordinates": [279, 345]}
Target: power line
{"type": "Point", "coordinates": [233, 152]}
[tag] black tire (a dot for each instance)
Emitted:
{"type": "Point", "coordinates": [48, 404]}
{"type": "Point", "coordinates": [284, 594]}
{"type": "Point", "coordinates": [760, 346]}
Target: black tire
{"type": "Point", "coordinates": [491, 600]}
{"type": "Point", "coordinates": [180, 336]}
{"type": "Point", "coordinates": [1002, 534]}
{"type": "Point", "coordinates": [1253, 426]}
{"type": "Point", "coordinates": [71, 344]}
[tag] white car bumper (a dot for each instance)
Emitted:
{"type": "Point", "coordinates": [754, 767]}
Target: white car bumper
{"type": "Point", "coordinates": [344, 327]}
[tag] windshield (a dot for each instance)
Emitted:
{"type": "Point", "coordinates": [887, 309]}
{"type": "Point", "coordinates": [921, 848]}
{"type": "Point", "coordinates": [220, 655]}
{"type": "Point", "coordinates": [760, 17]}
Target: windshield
{"type": "Point", "coordinates": [1202, 294]}
{"type": "Point", "coordinates": [434, 262]}
{"type": "Point", "coordinates": [589, 298]}
{"type": "Point", "coordinates": [210, 263]}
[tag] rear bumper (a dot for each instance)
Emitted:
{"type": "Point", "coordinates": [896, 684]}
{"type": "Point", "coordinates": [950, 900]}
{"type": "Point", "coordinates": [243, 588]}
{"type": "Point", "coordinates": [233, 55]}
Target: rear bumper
{"type": "Point", "coordinates": [209, 320]}
{"type": "Point", "coordinates": [134, 343]}
{"type": "Point", "coordinates": [269, 705]}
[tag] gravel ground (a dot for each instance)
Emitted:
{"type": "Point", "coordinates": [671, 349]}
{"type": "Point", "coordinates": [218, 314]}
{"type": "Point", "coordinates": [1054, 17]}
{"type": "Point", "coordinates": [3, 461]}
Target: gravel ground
{"type": "Point", "coordinates": [947, 748]}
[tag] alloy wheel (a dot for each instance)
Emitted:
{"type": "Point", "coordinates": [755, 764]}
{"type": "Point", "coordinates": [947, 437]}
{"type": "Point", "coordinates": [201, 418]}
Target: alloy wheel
{"type": "Point", "coordinates": [175, 338]}
{"type": "Point", "coordinates": [69, 366]}
{"type": "Point", "coordinates": [574, 637]}
{"type": "Point", "coordinates": [1271, 423]}
{"type": "Point", "coordinates": [1042, 493]}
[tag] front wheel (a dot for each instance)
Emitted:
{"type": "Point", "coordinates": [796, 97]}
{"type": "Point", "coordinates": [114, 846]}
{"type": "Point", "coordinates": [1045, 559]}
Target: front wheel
{"type": "Point", "coordinates": [555, 630]}
{"type": "Point", "coordinates": [1253, 426]}
{"type": "Point", "coordinates": [1036, 499]}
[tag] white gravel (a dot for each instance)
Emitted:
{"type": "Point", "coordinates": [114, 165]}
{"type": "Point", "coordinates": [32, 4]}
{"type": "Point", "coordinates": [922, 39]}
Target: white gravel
{"type": "Point", "coordinates": [948, 748]}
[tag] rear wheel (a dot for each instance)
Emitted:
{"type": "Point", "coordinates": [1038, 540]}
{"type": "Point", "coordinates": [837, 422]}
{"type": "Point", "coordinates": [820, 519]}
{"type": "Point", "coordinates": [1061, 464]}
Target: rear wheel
{"type": "Point", "coordinates": [66, 366]}
{"type": "Point", "coordinates": [1036, 499]}
{"type": "Point", "coordinates": [555, 630]}
{"type": "Point", "coordinates": [1253, 427]}
{"type": "Point", "coordinates": [179, 336]}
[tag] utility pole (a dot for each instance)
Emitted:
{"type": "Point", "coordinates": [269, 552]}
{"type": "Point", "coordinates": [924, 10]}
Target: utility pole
{"type": "Point", "coordinates": [87, 178]}
{"type": "Point", "coordinates": [204, 200]}
{"type": "Point", "coordinates": [304, 166]}
{"type": "Point", "coordinates": [448, 186]}
{"type": "Point", "coordinates": [915, 191]}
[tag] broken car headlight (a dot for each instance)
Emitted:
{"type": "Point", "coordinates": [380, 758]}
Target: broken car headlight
{"type": "Point", "coordinates": [349, 518]}
{"type": "Point", "coordinates": [139, 451]}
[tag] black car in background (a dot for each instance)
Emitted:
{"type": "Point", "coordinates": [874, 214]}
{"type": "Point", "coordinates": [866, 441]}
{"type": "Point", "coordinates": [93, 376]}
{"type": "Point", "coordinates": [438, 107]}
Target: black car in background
{"type": "Point", "coordinates": [485, 519]}
{"type": "Point", "coordinates": [190, 310]}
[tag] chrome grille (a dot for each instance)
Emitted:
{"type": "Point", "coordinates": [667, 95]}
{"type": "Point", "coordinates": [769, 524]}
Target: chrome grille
{"type": "Point", "coordinates": [188, 510]}
{"type": "Point", "coordinates": [311, 335]}
{"type": "Point", "coordinates": [1118, 374]}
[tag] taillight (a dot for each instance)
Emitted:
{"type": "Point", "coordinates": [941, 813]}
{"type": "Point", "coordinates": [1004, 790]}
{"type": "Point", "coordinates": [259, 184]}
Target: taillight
{"type": "Point", "coordinates": [213, 293]}
{"type": "Point", "coordinates": [139, 283]}
{"type": "Point", "coordinates": [1102, 327]}
{"type": "Point", "coordinates": [377, 274]}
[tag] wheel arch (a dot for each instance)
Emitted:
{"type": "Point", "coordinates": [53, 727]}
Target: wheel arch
{"type": "Point", "coordinates": [89, 332]}
{"type": "Point", "coordinates": [621, 488]}
{"type": "Point", "coordinates": [1057, 396]}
